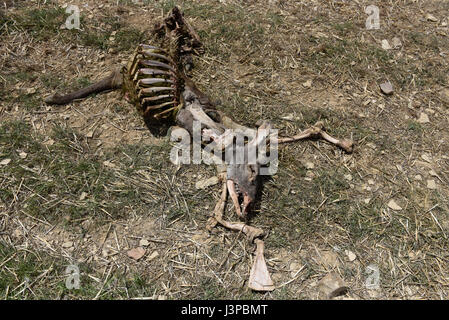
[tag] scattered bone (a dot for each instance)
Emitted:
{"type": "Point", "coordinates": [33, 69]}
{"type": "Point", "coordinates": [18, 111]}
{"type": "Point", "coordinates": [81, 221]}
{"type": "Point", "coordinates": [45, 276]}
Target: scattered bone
{"type": "Point", "coordinates": [317, 131]}
{"type": "Point", "coordinates": [332, 286]}
{"type": "Point", "coordinates": [259, 278]}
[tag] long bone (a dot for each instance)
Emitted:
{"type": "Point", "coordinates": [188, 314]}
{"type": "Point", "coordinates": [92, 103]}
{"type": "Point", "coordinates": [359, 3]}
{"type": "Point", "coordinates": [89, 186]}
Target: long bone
{"type": "Point", "coordinates": [259, 278]}
{"type": "Point", "coordinates": [317, 131]}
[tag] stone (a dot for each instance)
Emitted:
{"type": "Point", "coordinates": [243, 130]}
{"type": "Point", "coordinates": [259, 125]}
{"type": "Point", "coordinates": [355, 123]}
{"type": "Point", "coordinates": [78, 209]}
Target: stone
{"type": "Point", "coordinates": [332, 286]}
{"type": "Point", "coordinates": [386, 88]}
{"type": "Point", "coordinates": [393, 205]}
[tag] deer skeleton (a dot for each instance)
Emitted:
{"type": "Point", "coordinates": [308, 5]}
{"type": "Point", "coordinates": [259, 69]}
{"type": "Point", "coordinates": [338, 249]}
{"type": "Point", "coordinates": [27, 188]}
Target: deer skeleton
{"type": "Point", "coordinates": [154, 80]}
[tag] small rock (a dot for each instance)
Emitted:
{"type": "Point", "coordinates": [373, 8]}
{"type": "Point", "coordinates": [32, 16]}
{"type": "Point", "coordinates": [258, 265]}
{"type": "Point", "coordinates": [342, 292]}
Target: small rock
{"type": "Point", "coordinates": [30, 90]}
{"type": "Point", "coordinates": [367, 200]}
{"type": "Point", "coordinates": [90, 134]}
{"type": "Point", "coordinates": [397, 43]}
{"type": "Point", "coordinates": [294, 267]}
{"type": "Point", "coordinates": [23, 155]}
{"type": "Point", "coordinates": [307, 84]}
{"type": "Point", "coordinates": [332, 286]}
{"type": "Point", "coordinates": [425, 157]}
{"type": "Point", "coordinates": [136, 253]}
{"type": "Point", "coordinates": [430, 17]}
{"type": "Point", "coordinates": [386, 45]}
{"type": "Point", "coordinates": [109, 164]}
{"type": "Point", "coordinates": [83, 196]}
{"type": "Point", "coordinates": [418, 177]}
{"type": "Point", "coordinates": [144, 243]}
{"type": "Point", "coordinates": [393, 205]}
{"type": "Point", "coordinates": [309, 165]}
{"type": "Point", "coordinates": [423, 118]}
{"type": "Point", "coordinates": [348, 177]}
{"type": "Point", "coordinates": [387, 88]}
{"type": "Point", "coordinates": [351, 255]}
{"type": "Point", "coordinates": [5, 162]}
{"type": "Point", "coordinates": [202, 184]}
{"type": "Point", "coordinates": [153, 256]}
{"type": "Point", "coordinates": [67, 244]}
{"type": "Point", "coordinates": [370, 181]}
{"type": "Point", "coordinates": [431, 184]}
{"type": "Point", "coordinates": [49, 142]}
{"type": "Point", "coordinates": [310, 174]}
{"type": "Point", "coordinates": [328, 258]}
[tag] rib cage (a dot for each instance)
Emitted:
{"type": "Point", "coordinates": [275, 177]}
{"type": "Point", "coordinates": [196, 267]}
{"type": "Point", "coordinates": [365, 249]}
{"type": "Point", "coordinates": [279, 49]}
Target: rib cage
{"type": "Point", "coordinates": [153, 83]}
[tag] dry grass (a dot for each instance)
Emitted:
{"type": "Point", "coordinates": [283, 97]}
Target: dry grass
{"type": "Point", "coordinates": [87, 182]}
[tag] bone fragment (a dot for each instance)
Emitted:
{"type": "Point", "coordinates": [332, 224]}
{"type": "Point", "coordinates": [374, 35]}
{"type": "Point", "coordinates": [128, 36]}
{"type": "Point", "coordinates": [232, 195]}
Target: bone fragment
{"type": "Point", "coordinates": [259, 278]}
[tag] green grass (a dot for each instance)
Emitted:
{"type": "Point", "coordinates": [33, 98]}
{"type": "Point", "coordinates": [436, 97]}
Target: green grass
{"type": "Point", "coordinates": [42, 24]}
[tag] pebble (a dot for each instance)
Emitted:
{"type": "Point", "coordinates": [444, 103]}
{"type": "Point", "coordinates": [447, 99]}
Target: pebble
{"type": "Point", "coordinates": [386, 45]}
{"type": "Point", "coordinates": [423, 118]}
{"type": "Point", "coordinates": [153, 256]}
{"type": "Point", "coordinates": [430, 17]}
{"type": "Point", "coordinates": [136, 253]}
{"type": "Point", "coordinates": [387, 88]}
{"type": "Point", "coordinates": [307, 84]}
{"type": "Point", "coordinates": [393, 205]}
{"type": "Point", "coordinates": [431, 184]}
{"type": "Point", "coordinates": [144, 243]}
{"type": "Point", "coordinates": [397, 42]}
{"type": "Point", "coordinates": [351, 255]}
{"type": "Point", "coordinates": [5, 162]}
{"type": "Point", "coordinates": [309, 165]}
{"type": "Point", "coordinates": [67, 244]}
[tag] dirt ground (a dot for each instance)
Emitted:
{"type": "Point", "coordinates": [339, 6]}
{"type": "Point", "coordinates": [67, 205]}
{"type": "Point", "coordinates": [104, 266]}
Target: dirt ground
{"type": "Point", "coordinates": [82, 184]}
